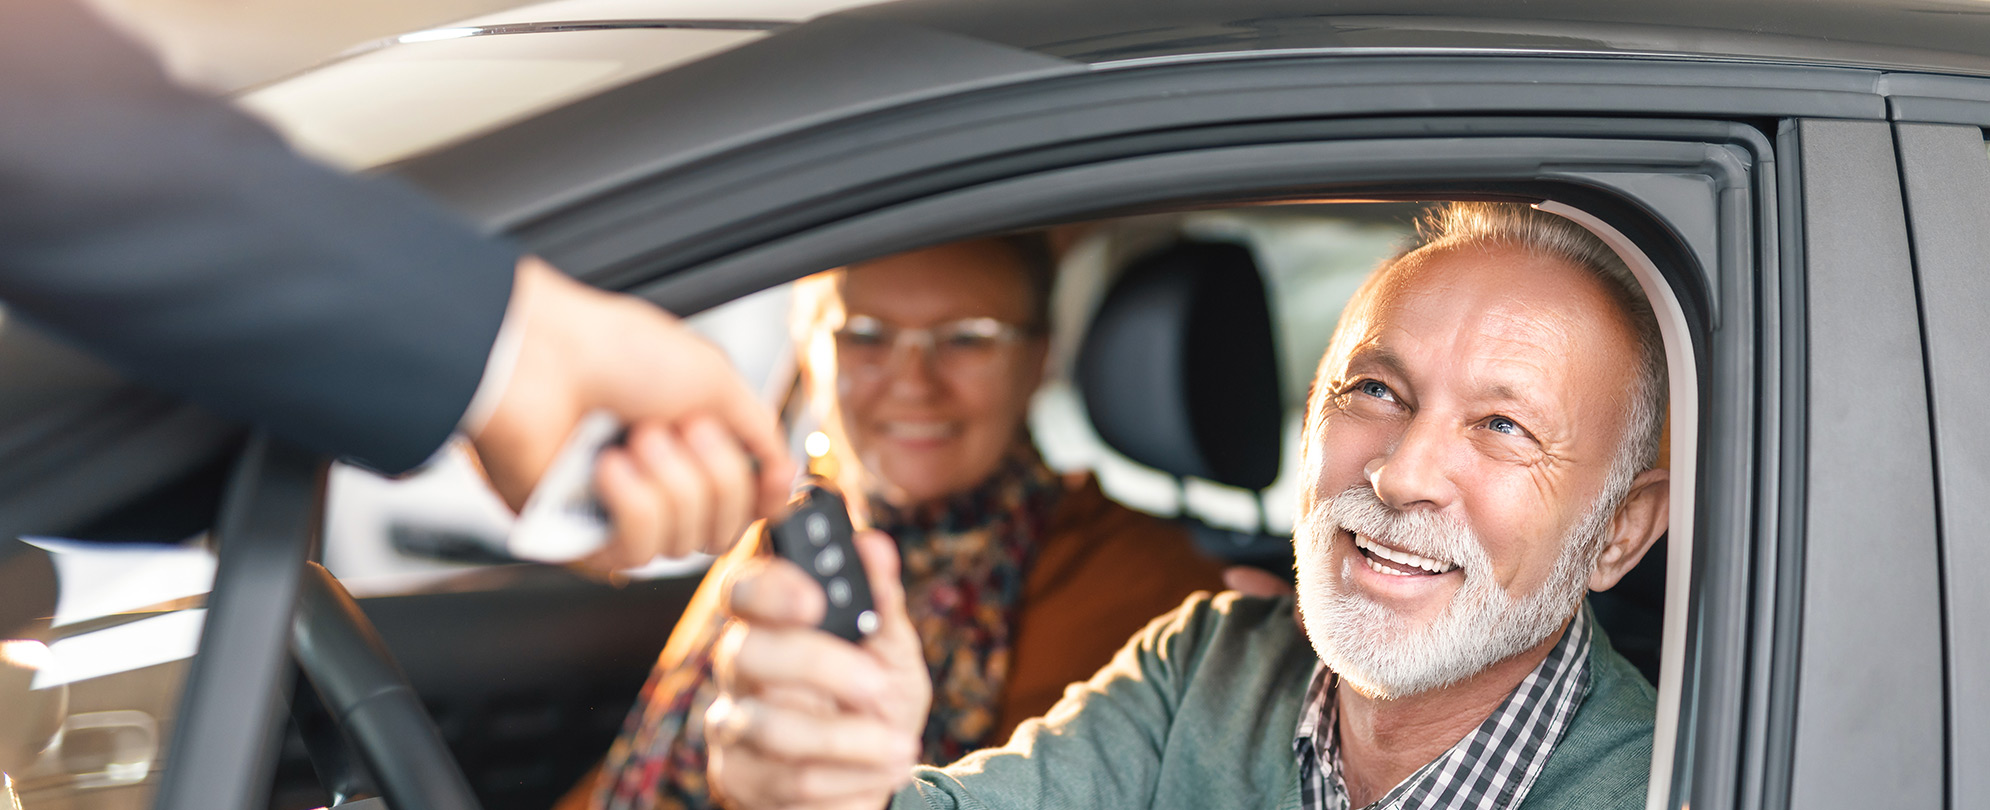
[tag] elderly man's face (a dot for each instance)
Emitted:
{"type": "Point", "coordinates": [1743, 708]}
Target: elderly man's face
{"type": "Point", "coordinates": [1462, 463]}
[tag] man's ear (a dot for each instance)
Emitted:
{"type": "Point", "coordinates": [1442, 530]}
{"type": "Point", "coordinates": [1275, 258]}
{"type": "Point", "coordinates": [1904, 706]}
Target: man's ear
{"type": "Point", "coordinates": [1638, 523]}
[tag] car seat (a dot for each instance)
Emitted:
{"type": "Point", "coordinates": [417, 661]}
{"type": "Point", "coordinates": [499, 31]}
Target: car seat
{"type": "Point", "coordinates": [1178, 371]}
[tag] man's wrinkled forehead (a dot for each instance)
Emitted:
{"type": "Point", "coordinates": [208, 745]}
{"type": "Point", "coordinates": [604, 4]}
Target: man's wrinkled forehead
{"type": "Point", "coordinates": [1502, 315]}
{"type": "Point", "coordinates": [1485, 336]}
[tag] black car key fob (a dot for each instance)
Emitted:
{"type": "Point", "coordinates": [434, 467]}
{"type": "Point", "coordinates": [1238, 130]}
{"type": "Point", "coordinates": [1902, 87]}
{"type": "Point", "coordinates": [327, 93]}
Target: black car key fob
{"type": "Point", "coordinates": [817, 535]}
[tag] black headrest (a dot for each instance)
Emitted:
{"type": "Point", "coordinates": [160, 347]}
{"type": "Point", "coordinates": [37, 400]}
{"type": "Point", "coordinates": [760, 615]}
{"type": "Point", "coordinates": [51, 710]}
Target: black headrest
{"type": "Point", "coordinates": [1179, 371]}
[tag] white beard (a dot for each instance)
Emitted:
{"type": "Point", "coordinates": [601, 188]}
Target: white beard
{"type": "Point", "coordinates": [1388, 655]}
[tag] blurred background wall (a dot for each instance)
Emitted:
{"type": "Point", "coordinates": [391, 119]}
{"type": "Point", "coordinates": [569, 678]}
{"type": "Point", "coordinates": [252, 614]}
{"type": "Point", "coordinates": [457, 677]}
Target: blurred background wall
{"type": "Point", "coordinates": [227, 45]}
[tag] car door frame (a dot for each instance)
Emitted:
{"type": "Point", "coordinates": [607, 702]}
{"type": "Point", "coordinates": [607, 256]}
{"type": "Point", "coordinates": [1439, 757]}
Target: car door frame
{"type": "Point", "coordinates": [595, 240]}
{"type": "Point", "coordinates": [734, 220]}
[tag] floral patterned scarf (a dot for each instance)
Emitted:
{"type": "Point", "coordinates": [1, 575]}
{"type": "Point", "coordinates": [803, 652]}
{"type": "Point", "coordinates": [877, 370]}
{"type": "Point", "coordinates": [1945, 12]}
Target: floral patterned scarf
{"type": "Point", "coordinates": [964, 561]}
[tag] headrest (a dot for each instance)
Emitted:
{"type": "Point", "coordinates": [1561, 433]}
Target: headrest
{"type": "Point", "coordinates": [1179, 370]}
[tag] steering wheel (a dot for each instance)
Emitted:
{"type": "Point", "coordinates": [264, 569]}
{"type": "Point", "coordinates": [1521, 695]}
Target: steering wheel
{"type": "Point", "coordinates": [370, 700]}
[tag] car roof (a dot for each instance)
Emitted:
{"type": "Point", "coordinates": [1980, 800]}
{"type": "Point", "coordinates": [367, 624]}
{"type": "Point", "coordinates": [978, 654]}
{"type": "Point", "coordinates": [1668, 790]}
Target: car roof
{"type": "Point", "coordinates": [1931, 35]}
{"type": "Point", "coordinates": [515, 115]}
{"type": "Point", "coordinates": [580, 48]}
{"type": "Point", "coordinates": [1926, 35]}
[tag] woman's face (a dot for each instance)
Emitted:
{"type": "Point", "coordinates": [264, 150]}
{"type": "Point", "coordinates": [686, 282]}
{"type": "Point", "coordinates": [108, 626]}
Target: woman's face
{"type": "Point", "coordinates": [933, 418]}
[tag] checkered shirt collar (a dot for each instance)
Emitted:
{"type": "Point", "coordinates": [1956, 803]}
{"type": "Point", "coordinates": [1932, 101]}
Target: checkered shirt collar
{"type": "Point", "coordinates": [1490, 769]}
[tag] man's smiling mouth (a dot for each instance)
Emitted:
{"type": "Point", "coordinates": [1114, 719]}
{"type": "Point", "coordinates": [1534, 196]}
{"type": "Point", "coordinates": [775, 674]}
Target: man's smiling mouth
{"type": "Point", "coordinates": [1396, 562]}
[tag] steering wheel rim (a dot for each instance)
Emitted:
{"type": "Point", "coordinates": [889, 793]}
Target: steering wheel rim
{"type": "Point", "coordinates": [370, 699]}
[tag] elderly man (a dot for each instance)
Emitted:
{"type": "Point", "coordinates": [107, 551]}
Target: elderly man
{"type": "Point", "coordinates": [1481, 438]}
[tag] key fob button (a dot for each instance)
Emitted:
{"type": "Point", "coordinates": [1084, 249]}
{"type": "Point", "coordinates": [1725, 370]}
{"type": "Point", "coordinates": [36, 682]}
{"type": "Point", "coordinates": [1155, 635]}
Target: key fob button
{"type": "Point", "coordinates": [829, 561]}
{"type": "Point", "coordinates": [817, 527]}
{"type": "Point", "coordinates": [867, 622]}
{"type": "Point", "coordinates": [839, 592]}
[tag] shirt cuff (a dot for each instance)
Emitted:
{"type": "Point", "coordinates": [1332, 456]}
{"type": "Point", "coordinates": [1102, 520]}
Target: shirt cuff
{"type": "Point", "coordinates": [498, 367]}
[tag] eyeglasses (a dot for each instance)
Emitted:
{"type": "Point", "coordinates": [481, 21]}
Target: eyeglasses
{"type": "Point", "coordinates": [967, 346]}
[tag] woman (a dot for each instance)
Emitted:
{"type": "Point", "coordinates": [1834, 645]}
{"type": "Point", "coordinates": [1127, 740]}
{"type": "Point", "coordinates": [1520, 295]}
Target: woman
{"type": "Point", "coordinates": [1020, 581]}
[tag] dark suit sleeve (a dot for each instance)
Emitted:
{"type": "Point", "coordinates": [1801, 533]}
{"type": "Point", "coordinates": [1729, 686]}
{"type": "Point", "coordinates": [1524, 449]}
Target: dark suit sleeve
{"type": "Point", "coordinates": [182, 242]}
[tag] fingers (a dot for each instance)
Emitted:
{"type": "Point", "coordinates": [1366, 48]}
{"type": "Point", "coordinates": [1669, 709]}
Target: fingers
{"type": "Point", "coordinates": [705, 385]}
{"type": "Point", "coordinates": [780, 732]}
{"type": "Point", "coordinates": [636, 513]}
{"type": "Point", "coordinates": [751, 780]}
{"type": "Point", "coordinates": [749, 423]}
{"type": "Point", "coordinates": [765, 659]}
{"type": "Point", "coordinates": [773, 592]}
{"type": "Point", "coordinates": [673, 494]}
{"type": "Point", "coordinates": [755, 427]}
{"type": "Point", "coordinates": [768, 752]}
{"type": "Point", "coordinates": [733, 490]}
{"type": "Point", "coordinates": [679, 484]}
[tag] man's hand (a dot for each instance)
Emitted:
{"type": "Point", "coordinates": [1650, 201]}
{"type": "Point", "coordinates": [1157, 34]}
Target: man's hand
{"type": "Point", "coordinates": [806, 719]}
{"type": "Point", "coordinates": [684, 482]}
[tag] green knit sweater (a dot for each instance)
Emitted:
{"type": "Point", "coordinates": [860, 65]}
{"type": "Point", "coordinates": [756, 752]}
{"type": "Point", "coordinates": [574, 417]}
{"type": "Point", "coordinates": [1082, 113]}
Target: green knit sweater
{"type": "Point", "coordinates": [1198, 711]}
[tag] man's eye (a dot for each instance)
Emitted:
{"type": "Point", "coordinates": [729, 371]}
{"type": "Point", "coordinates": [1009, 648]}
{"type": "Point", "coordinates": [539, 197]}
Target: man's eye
{"type": "Point", "coordinates": [1501, 424]}
{"type": "Point", "coordinates": [1375, 389]}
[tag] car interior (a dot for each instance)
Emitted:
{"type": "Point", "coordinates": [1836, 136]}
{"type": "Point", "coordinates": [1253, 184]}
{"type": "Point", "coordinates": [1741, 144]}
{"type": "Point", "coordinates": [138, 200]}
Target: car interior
{"type": "Point", "coordinates": [1183, 343]}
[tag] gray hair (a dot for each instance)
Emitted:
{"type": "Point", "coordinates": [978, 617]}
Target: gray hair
{"type": "Point", "coordinates": [1544, 234]}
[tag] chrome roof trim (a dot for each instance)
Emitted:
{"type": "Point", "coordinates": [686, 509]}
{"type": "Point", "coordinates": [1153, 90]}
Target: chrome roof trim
{"type": "Point", "coordinates": [1673, 56]}
{"type": "Point", "coordinates": [462, 31]}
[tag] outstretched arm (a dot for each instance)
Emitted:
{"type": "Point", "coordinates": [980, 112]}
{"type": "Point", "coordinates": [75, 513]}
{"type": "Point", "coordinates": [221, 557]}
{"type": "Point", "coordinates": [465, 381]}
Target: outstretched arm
{"type": "Point", "coordinates": [182, 242]}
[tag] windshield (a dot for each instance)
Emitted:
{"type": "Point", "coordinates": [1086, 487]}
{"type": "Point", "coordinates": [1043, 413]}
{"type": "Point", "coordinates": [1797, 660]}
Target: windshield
{"type": "Point", "coordinates": [94, 643]}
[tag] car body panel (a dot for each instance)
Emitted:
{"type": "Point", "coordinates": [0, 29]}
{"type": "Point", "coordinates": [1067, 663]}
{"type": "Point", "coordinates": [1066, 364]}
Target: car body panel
{"type": "Point", "coordinates": [539, 196]}
{"type": "Point", "coordinates": [1946, 173]}
{"type": "Point", "coordinates": [1947, 36]}
{"type": "Point", "coordinates": [823, 71]}
{"type": "Point", "coordinates": [1870, 699]}
{"type": "Point", "coordinates": [894, 54]}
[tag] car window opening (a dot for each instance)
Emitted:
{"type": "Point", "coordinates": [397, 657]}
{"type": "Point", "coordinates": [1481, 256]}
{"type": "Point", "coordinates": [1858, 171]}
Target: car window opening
{"type": "Point", "coordinates": [1090, 417]}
